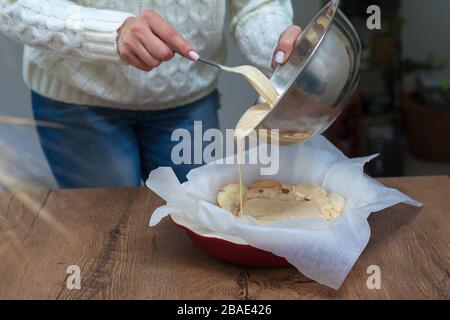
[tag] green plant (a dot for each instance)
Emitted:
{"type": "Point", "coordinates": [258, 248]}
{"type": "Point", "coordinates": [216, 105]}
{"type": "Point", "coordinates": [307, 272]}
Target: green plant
{"type": "Point", "coordinates": [408, 66]}
{"type": "Point", "coordinates": [446, 85]}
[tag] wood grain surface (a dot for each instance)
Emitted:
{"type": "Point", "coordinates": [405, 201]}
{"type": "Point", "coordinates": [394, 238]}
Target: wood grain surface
{"type": "Point", "coordinates": [106, 233]}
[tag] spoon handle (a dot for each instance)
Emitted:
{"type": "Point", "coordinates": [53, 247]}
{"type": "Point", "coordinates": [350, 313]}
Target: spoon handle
{"type": "Point", "coordinates": [211, 63]}
{"type": "Point", "coordinates": [206, 61]}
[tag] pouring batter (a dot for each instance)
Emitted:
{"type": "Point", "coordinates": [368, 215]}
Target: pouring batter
{"type": "Point", "coordinates": [253, 117]}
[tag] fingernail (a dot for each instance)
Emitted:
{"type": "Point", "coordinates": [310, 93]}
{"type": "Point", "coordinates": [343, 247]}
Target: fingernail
{"type": "Point", "coordinates": [193, 55]}
{"type": "Point", "coordinates": [279, 57]}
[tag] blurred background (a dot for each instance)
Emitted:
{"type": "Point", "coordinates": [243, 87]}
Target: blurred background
{"type": "Point", "coordinates": [400, 110]}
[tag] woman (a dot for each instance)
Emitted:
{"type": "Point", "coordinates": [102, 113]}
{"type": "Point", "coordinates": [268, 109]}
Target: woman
{"type": "Point", "coordinates": [108, 73]}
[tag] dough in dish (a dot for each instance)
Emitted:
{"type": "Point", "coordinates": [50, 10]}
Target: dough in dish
{"type": "Point", "coordinates": [270, 201]}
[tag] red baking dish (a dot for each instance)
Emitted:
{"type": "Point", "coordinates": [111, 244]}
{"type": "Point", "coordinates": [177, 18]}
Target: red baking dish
{"type": "Point", "coordinates": [238, 254]}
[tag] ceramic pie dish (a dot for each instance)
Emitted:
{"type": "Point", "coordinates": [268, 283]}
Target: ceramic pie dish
{"type": "Point", "coordinates": [234, 253]}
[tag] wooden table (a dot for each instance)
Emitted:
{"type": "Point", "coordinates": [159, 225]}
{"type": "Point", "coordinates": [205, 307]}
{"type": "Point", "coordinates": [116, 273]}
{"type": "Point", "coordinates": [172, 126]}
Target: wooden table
{"type": "Point", "coordinates": [106, 233]}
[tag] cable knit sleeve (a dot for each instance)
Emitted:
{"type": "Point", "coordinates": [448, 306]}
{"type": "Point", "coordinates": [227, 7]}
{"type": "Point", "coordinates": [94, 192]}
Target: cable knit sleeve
{"type": "Point", "coordinates": [64, 28]}
{"type": "Point", "coordinates": [257, 24]}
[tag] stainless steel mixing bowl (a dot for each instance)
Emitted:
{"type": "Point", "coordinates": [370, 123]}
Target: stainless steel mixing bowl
{"type": "Point", "coordinates": [320, 77]}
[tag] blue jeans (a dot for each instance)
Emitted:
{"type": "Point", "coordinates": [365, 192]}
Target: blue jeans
{"type": "Point", "coordinates": [104, 147]}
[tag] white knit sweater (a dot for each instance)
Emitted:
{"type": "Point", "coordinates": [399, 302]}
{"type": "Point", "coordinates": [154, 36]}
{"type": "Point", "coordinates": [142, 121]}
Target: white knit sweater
{"type": "Point", "coordinates": [71, 53]}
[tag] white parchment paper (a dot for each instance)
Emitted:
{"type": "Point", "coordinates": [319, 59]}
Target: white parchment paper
{"type": "Point", "coordinates": [323, 251]}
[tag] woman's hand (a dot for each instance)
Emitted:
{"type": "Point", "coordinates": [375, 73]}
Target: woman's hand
{"type": "Point", "coordinates": [286, 45]}
{"type": "Point", "coordinates": [148, 39]}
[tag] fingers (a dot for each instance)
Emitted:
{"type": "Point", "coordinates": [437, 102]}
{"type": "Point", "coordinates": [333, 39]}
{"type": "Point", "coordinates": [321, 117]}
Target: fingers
{"type": "Point", "coordinates": [286, 45]}
{"type": "Point", "coordinates": [170, 36]}
{"type": "Point", "coordinates": [148, 40]}
{"type": "Point", "coordinates": [146, 57]}
{"type": "Point", "coordinates": [159, 50]}
{"type": "Point", "coordinates": [135, 61]}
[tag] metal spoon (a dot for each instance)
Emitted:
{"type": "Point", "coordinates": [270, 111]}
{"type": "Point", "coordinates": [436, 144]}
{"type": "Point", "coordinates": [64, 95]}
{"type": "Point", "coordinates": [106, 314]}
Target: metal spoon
{"type": "Point", "coordinates": [205, 61]}
{"type": "Point", "coordinates": [212, 63]}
